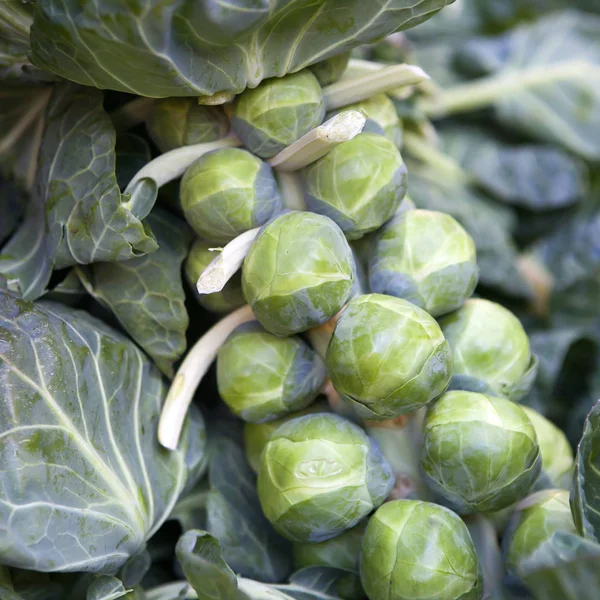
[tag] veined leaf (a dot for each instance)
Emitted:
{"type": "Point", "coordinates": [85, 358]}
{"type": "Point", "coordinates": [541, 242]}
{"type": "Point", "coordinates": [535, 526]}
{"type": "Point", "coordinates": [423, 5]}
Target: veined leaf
{"type": "Point", "coordinates": [77, 214]}
{"type": "Point", "coordinates": [85, 481]}
{"type": "Point", "coordinates": [535, 176]}
{"type": "Point", "coordinates": [543, 80]}
{"type": "Point", "coordinates": [585, 498]}
{"type": "Point", "coordinates": [160, 49]}
{"type": "Point", "coordinates": [107, 588]}
{"type": "Point", "coordinates": [146, 294]}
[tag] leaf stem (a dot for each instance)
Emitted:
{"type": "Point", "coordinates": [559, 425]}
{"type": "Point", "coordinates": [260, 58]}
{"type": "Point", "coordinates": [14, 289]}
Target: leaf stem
{"type": "Point", "coordinates": [173, 164]}
{"type": "Point", "coordinates": [292, 192]}
{"type": "Point", "coordinates": [318, 142]}
{"type": "Point", "coordinates": [383, 79]}
{"type": "Point", "coordinates": [190, 374]}
{"type": "Point", "coordinates": [226, 263]}
{"type": "Point", "coordinates": [131, 114]}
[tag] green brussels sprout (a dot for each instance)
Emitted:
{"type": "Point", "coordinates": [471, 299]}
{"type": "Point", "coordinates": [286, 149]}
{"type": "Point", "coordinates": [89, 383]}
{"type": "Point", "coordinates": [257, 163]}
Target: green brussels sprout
{"type": "Point", "coordinates": [491, 350]}
{"type": "Point", "coordinates": [414, 550]}
{"type": "Point", "coordinates": [227, 192]}
{"type": "Point", "coordinates": [331, 69]}
{"type": "Point", "coordinates": [382, 117]}
{"type": "Point", "coordinates": [299, 273]}
{"type": "Point", "coordinates": [340, 552]}
{"type": "Point", "coordinates": [359, 184]}
{"type": "Point", "coordinates": [279, 111]}
{"type": "Point", "coordinates": [256, 435]}
{"type": "Point", "coordinates": [558, 461]}
{"type": "Point", "coordinates": [261, 376]}
{"type": "Point", "coordinates": [388, 357]}
{"type": "Point", "coordinates": [320, 475]}
{"type": "Point", "coordinates": [427, 258]}
{"type": "Point", "coordinates": [479, 453]}
{"type": "Point", "coordinates": [535, 520]}
{"type": "Point", "coordinates": [177, 122]}
{"type": "Point", "coordinates": [229, 298]}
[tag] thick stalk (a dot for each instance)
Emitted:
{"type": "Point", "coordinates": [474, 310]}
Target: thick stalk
{"type": "Point", "coordinates": [173, 164]}
{"type": "Point", "coordinates": [431, 156]}
{"type": "Point", "coordinates": [384, 79]}
{"type": "Point", "coordinates": [318, 142]}
{"type": "Point", "coordinates": [488, 90]}
{"type": "Point", "coordinates": [540, 280]}
{"type": "Point", "coordinates": [226, 263]}
{"type": "Point", "coordinates": [190, 374]}
{"type": "Point", "coordinates": [291, 190]}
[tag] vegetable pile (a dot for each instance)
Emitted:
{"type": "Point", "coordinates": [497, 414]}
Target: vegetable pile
{"type": "Point", "coordinates": [300, 300]}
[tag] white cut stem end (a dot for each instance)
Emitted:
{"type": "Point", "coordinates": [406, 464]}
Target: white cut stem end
{"type": "Point", "coordinates": [226, 263]}
{"type": "Point", "coordinates": [190, 374]}
{"type": "Point", "coordinates": [318, 142]}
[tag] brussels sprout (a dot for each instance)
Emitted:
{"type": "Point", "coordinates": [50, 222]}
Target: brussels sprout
{"type": "Point", "coordinates": [299, 273]}
{"type": "Point", "coordinates": [491, 350]}
{"type": "Point", "coordinates": [382, 117]}
{"type": "Point", "coordinates": [320, 475]}
{"type": "Point", "coordinates": [340, 552]}
{"type": "Point", "coordinates": [388, 357]}
{"type": "Point", "coordinates": [256, 435]}
{"type": "Point", "coordinates": [479, 453]}
{"type": "Point", "coordinates": [533, 524]}
{"type": "Point", "coordinates": [331, 69]}
{"type": "Point", "coordinates": [176, 122]}
{"type": "Point", "coordinates": [278, 112]}
{"type": "Point", "coordinates": [414, 550]}
{"type": "Point", "coordinates": [557, 455]}
{"type": "Point", "coordinates": [359, 184]}
{"type": "Point", "coordinates": [227, 192]}
{"type": "Point", "coordinates": [229, 298]}
{"type": "Point", "coordinates": [261, 376]}
{"type": "Point", "coordinates": [427, 258]}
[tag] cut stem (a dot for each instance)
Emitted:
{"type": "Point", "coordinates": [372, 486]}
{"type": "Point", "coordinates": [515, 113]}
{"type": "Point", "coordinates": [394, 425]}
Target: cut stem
{"type": "Point", "coordinates": [190, 374]}
{"type": "Point", "coordinates": [318, 142]}
{"type": "Point", "coordinates": [173, 164]}
{"type": "Point", "coordinates": [131, 114]}
{"type": "Point", "coordinates": [380, 80]}
{"type": "Point", "coordinates": [226, 263]}
{"type": "Point", "coordinates": [292, 192]}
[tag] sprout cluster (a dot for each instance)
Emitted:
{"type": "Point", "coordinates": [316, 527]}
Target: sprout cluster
{"type": "Point", "coordinates": [358, 296]}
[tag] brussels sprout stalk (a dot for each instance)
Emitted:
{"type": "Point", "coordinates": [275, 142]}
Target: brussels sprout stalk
{"type": "Point", "coordinates": [191, 372]}
{"type": "Point", "coordinates": [216, 99]}
{"type": "Point", "coordinates": [430, 155]}
{"type": "Point", "coordinates": [131, 114]}
{"type": "Point", "coordinates": [316, 143]}
{"type": "Point", "coordinates": [228, 261]}
{"type": "Point", "coordinates": [349, 91]}
{"type": "Point", "coordinates": [173, 164]}
{"type": "Point", "coordinates": [291, 190]}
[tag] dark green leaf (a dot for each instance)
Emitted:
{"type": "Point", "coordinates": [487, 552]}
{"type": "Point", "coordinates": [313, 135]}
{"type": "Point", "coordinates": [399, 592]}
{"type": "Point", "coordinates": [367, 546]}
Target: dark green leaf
{"type": "Point", "coordinates": [132, 153]}
{"type": "Point", "coordinates": [79, 406]}
{"type": "Point", "coordinates": [107, 588]}
{"type": "Point", "coordinates": [207, 46]}
{"type": "Point", "coordinates": [146, 294]}
{"type": "Point", "coordinates": [77, 214]}
{"type": "Point", "coordinates": [537, 177]}
{"type": "Point", "coordinates": [200, 557]}
{"type": "Point", "coordinates": [12, 206]}
{"type": "Point", "coordinates": [585, 499]}
{"type": "Point", "coordinates": [250, 544]}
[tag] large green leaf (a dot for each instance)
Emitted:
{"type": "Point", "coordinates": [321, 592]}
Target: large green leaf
{"type": "Point", "coordinates": [77, 214]}
{"type": "Point", "coordinates": [585, 499]}
{"type": "Point", "coordinates": [543, 80]}
{"type": "Point", "coordinates": [85, 481]}
{"type": "Point", "coordinates": [162, 48]}
{"type": "Point", "coordinates": [250, 545]}
{"type": "Point", "coordinates": [12, 206]}
{"type": "Point", "coordinates": [535, 176]}
{"type": "Point", "coordinates": [146, 294]}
